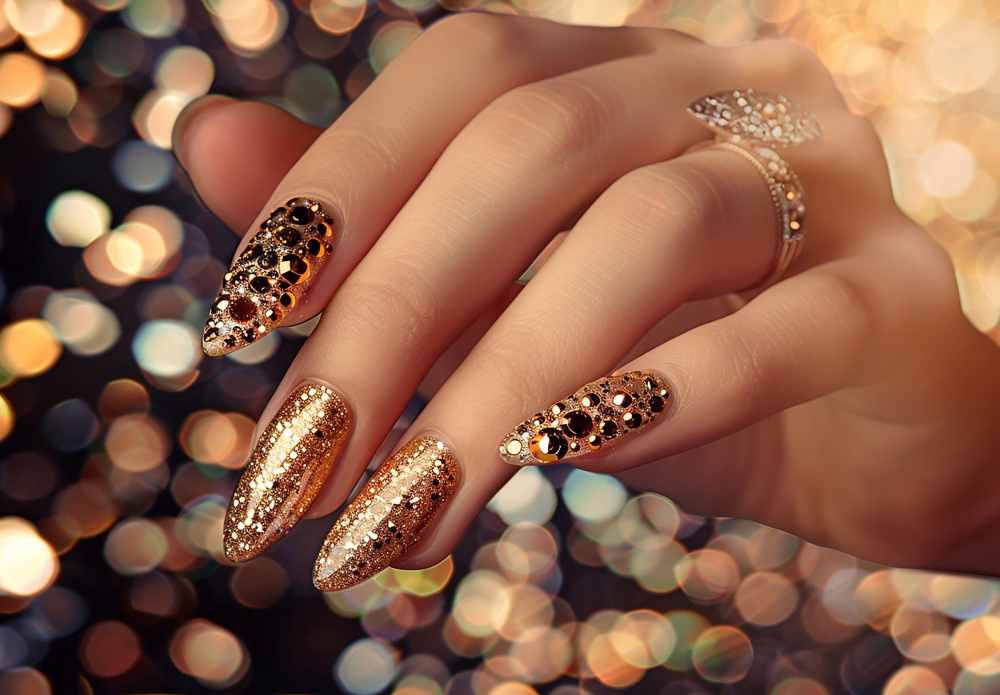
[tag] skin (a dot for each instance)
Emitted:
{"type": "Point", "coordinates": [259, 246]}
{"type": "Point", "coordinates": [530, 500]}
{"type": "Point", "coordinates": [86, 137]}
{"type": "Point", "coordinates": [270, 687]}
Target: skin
{"type": "Point", "coordinates": [851, 403]}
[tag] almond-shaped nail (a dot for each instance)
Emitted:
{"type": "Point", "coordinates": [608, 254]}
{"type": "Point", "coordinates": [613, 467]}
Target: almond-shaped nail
{"type": "Point", "coordinates": [270, 276]}
{"type": "Point", "coordinates": [389, 515]}
{"type": "Point", "coordinates": [288, 466]}
{"type": "Point", "coordinates": [600, 414]}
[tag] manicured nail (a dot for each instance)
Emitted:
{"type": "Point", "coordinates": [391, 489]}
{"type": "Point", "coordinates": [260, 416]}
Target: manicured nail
{"type": "Point", "coordinates": [286, 469]}
{"type": "Point", "coordinates": [757, 117]}
{"type": "Point", "coordinates": [597, 416]}
{"type": "Point", "coordinates": [270, 276]}
{"type": "Point", "coordinates": [389, 514]}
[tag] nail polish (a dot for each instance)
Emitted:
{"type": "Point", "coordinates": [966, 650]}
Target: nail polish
{"type": "Point", "coordinates": [270, 276]}
{"type": "Point", "coordinates": [287, 468]}
{"type": "Point", "coordinates": [389, 515]}
{"type": "Point", "coordinates": [599, 415]}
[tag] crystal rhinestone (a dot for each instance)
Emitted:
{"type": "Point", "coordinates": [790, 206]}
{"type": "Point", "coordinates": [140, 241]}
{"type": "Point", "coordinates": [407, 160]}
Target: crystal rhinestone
{"type": "Point", "coordinates": [268, 260]}
{"type": "Point", "coordinates": [293, 270]}
{"type": "Point", "coordinates": [621, 399]}
{"type": "Point", "coordinates": [608, 429]}
{"type": "Point", "coordinates": [315, 247]}
{"type": "Point", "coordinates": [242, 309]}
{"type": "Point", "coordinates": [260, 284]}
{"type": "Point", "coordinates": [513, 446]}
{"type": "Point", "coordinates": [287, 300]}
{"type": "Point", "coordinates": [578, 423]}
{"type": "Point", "coordinates": [633, 420]}
{"type": "Point", "coordinates": [288, 236]}
{"type": "Point", "coordinates": [300, 215]}
{"type": "Point", "coordinates": [594, 442]}
{"type": "Point", "coordinates": [548, 445]}
{"type": "Point", "coordinates": [557, 408]}
{"type": "Point", "coordinates": [656, 404]}
{"type": "Point", "coordinates": [220, 304]}
{"type": "Point", "coordinates": [589, 400]}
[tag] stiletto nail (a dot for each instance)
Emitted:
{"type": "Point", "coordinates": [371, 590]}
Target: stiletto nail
{"type": "Point", "coordinates": [597, 416]}
{"type": "Point", "coordinates": [269, 278]}
{"type": "Point", "coordinates": [288, 466]}
{"type": "Point", "coordinates": [389, 514]}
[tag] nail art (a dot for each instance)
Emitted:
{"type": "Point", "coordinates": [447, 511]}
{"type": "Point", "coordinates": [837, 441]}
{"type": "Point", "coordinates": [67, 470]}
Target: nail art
{"type": "Point", "coordinates": [389, 514]}
{"type": "Point", "coordinates": [269, 277]}
{"type": "Point", "coordinates": [757, 117]}
{"type": "Point", "coordinates": [598, 415]}
{"type": "Point", "coordinates": [288, 466]}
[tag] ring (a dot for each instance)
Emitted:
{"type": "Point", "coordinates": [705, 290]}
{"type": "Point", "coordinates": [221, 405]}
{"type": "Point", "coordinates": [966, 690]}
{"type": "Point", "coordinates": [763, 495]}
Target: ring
{"type": "Point", "coordinates": [752, 124]}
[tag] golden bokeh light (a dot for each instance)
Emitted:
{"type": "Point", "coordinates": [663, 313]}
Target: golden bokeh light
{"type": "Point", "coordinates": [29, 347]}
{"type": "Point", "coordinates": [22, 79]}
{"type": "Point", "coordinates": [62, 39]}
{"type": "Point", "coordinates": [29, 565]}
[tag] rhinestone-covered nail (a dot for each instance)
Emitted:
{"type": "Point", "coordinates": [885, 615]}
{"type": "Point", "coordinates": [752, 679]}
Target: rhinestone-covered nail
{"type": "Point", "coordinates": [270, 276]}
{"type": "Point", "coordinates": [597, 416]}
{"type": "Point", "coordinates": [756, 117]}
{"type": "Point", "coordinates": [389, 515]}
{"type": "Point", "coordinates": [287, 468]}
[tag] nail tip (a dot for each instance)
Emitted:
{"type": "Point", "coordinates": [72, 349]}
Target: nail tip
{"type": "Point", "coordinates": [271, 275]}
{"type": "Point", "coordinates": [389, 515]}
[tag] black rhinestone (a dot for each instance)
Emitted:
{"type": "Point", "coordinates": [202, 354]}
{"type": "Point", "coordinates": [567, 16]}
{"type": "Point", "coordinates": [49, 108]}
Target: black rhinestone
{"type": "Point", "coordinates": [578, 424]}
{"type": "Point", "coordinates": [210, 334]}
{"type": "Point", "coordinates": [288, 236]}
{"type": "Point", "coordinates": [649, 383]}
{"type": "Point", "coordinates": [300, 215]}
{"type": "Point", "coordinates": [318, 434]}
{"type": "Point", "coordinates": [260, 284]}
{"type": "Point", "coordinates": [249, 335]}
{"type": "Point", "coordinates": [252, 253]}
{"type": "Point", "coordinates": [268, 260]}
{"type": "Point", "coordinates": [434, 495]}
{"type": "Point", "coordinates": [633, 420]}
{"type": "Point", "coordinates": [435, 482]}
{"type": "Point", "coordinates": [656, 404]}
{"type": "Point", "coordinates": [608, 429]}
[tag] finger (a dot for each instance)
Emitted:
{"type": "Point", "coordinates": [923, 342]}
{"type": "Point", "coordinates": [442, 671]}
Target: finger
{"type": "Point", "coordinates": [579, 316]}
{"type": "Point", "coordinates": [235, 153]}
{"type": "Point", "coordinates": [355, 177]}
{"type": "Point", "coordinates": [449, 253]}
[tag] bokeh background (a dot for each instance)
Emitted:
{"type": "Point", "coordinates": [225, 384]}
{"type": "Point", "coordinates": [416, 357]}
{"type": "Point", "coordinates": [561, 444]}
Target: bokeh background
{"type": "Point", "coordinates": [120, 442]}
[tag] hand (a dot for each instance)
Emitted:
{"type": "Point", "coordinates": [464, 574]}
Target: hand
{"type": "Point", "coordinates": [850, 403]}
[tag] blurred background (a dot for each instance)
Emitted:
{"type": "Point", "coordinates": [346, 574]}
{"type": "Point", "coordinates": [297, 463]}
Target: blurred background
{"type": "Point", "coordinates": [119, 442]}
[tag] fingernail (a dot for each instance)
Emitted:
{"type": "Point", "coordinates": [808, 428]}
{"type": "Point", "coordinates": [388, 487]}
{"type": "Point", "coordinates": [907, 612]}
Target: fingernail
{"type": "Point", "coordinates": [270, 277]}
{"type": "Point", "coordinates": [287, 468]}
{"type": "Point", "coordinates": [597, 416]}
{"type": "Point", "coordinates": [389, 514]}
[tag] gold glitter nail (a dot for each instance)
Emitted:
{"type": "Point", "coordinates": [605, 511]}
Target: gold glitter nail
{"type": "Point", "coordinates": [288, 466]}
{"type": "Point", "coordinates": [269, 278]}
{"type": "Point", "coordinates": [596, 416]}
{"type": "Point", "coordinates": [389, 514]}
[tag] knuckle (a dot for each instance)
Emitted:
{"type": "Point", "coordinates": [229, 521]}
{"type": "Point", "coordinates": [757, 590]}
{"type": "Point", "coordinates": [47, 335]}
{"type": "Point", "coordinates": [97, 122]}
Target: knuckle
{"type": "Point", "coordinates": [505, 365]}
{"type": "Point", "coordinates": [551, 120]}
{"type": "Point", "coordinates": [398, 300]}
{"type": "Point", "coordinates": [475, 34]}
{"type": "Point", "coordinates": [673, 197]}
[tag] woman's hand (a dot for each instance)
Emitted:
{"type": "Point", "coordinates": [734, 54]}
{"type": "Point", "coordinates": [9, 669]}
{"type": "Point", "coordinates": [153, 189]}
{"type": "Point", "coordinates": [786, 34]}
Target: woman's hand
{"type": "Point", "coordinates": [850, 403]}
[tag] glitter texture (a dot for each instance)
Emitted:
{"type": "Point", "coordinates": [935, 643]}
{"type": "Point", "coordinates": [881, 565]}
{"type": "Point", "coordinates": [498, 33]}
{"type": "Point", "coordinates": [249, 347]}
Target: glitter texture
{"type": "Point", "coordinates": [756, 117]}
{"type": "Point", "coordinates": [269, 277]}
{"type": "Point", "coordinates": [389, 514]}
{"type": "Point", "coordinates": [287, 468]}
{"type": "Point", "coordinates": [596, 416]}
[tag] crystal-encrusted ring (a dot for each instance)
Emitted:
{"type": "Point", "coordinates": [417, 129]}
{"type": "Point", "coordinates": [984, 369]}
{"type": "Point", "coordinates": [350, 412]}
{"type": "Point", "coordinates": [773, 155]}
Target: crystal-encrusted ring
{"type": "Point", "coordinates": [753, 124]}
